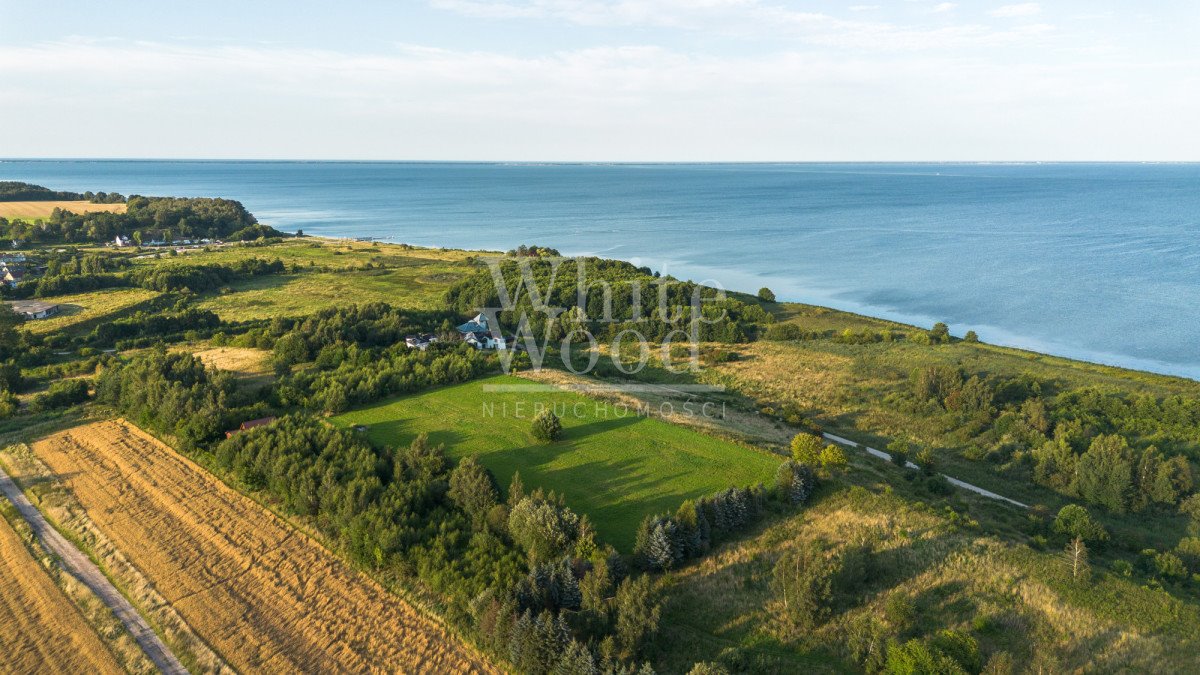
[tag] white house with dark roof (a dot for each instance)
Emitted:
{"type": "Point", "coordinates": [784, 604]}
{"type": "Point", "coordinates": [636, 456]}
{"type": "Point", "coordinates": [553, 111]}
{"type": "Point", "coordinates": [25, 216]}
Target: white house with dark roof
{"type": "Point", "coordinates": [421, 342]}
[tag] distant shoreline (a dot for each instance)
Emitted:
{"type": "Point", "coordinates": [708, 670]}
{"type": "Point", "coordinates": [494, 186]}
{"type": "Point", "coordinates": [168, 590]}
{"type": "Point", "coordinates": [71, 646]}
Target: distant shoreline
{"type": "Point", "coordinates": [586, 162]}
{"type": "Point", "coordinates": [1085, 260]}
{"type": "Point", "coordinates": [957, 330]}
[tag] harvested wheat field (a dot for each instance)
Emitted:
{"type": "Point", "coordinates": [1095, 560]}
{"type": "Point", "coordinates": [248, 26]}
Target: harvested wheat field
{"type": "Point", "coordinates": [34, 210]}
{"type": "Point", "coordinates": [262, 594]}
{"type": "Point", "coordinates": [40, 630]}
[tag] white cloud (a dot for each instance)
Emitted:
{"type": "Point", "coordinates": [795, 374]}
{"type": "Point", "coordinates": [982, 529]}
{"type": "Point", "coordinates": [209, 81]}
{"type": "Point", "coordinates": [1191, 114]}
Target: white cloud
{"type": "Point", "coordinates": [863, 8]}
{"type": "Point", "coordinates": [752, 19]}
{"type": "Point", "coordinates": [605, 103]}
{"type": "Point", "coordinates": [1019, 10]}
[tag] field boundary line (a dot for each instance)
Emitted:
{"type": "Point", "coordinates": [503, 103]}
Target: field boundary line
{"type": "Point", "coordinates": [82, 568]}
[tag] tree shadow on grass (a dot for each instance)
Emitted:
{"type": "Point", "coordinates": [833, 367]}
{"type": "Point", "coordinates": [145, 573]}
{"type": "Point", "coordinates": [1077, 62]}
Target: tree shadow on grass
{"type": "Point", "coordinates": [582, 431]}
{"type": "Point", "coordinates": [615, 493]}
{"type": "Point", "coordinates": [942, 606]}
{"type": "Point", "coordinates": [400, 433]}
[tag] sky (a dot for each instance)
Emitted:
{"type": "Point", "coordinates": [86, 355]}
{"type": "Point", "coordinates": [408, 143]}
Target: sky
{"type": "Point", "coordinates": [602, 80]}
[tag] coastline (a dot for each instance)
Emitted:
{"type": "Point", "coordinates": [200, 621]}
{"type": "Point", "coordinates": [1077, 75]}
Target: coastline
{"type": "Point", "coordinates": [1078, 260]}
{"type": "Point", "coordinates": [991, 335]}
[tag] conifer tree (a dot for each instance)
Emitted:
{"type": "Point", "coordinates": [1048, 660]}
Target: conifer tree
{"type": "Point", "coordinates": [577, 660]}
{"type": "Point", "coordinates": [1104, 474]}
{"type": "Point", "coordinates": [794, 481]}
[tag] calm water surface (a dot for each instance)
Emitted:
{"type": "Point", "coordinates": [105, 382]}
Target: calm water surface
{"type": "Point", "coordinates": [1093, 261]}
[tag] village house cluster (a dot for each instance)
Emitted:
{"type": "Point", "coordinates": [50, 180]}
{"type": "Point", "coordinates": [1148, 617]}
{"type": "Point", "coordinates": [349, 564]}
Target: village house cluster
{"type": "Point", "coordinates": [125, 242]}
{"type": "Point", "coordinates": [15, 268]}
{"type": "Point", "coordinates": [477, 332]}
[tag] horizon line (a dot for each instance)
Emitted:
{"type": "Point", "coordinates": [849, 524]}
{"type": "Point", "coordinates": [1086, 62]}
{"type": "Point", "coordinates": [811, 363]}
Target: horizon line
{"type": "Point", "coordinates": [533, 162]}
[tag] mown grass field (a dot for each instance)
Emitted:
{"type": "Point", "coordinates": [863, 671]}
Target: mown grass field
{"type": "Point", "coordinates": [83, 311]}
{"type": "Point", "coordinates": [36, 210]}
{"type": "Point", "coordinates": [615, 469]}
{"type": "Point", "coordinates": [252, 367]}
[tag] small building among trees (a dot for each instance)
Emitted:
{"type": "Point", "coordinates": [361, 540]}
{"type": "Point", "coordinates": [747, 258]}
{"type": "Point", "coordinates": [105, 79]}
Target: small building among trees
{"type": "Point", "coordinates": [246, 426]}
{"type": "Point", "coordinates": [33, 309]}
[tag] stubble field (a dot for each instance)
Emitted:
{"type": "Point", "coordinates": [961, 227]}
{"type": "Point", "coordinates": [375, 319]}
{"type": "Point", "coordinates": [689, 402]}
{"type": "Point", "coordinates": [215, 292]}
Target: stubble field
{"type": "Point", "coordinates": [35, 210]}
{"type": "Point", "coordinates": [40, 630]}
{"type": "Point", "coordinates": [262, 594]}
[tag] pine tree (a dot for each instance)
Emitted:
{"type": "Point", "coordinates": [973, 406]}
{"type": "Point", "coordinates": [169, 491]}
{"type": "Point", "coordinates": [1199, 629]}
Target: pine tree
{"type": "Point", "coordinates": [794, 481]}
{"type": "Point", "coordinates": [473, 489]}
{"type": "Point", "coordinates": [660, 553]}
{"type": "Point", "coordinates": [546, 426]}
{"type": "Point", "coordinates": [729, 508]}
{"type": "Point", "coordinates": [522, 648]}
{"type": "Point", "coordinates": [715, 510]}
{"type": "Point", "coordinates": [641, 545]}
{"type": "Point", "coordinates": [537, 644]}
{"type": "Point", "coordinates": [1104, 474]}
{"type": "Point", "coordinates": [577, 660]}
{"type": "Point", "coordinates": [687, 517]}
{"type": "Point", "coordinates": [565, 586]}
{"type": "Point", "coordinates": [595, 589]}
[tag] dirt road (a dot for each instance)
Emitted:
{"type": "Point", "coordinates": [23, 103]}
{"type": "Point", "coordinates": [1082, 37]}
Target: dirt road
{"type": "Point", "coordinates": [80, 567]}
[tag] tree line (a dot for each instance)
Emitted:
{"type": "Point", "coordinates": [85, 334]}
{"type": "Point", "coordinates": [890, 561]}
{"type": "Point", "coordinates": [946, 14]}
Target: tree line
{"type": "Point", "coordinates": [632, 297]}
{"type": "Point", "coordinates": [346, 375]}
{"type": "Point", "coordinates": [145, 218]}
{"type": "Point", "coordinates": [94, 272]}
{"type": "Point", "coordinates": [16, 191]}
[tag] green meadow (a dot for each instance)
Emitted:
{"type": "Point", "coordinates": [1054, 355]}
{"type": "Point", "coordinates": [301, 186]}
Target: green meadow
{"type": "Point", "coordinates": [615, 468]}
{"type": "Point", "coordinates": [302, 294]}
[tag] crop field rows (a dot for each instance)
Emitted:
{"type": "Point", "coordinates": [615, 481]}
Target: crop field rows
{"type": "Point", "coordinates": [40, 630]}
{"type": "Point", "coordinates": [34, 210]}
{"type": "Point", "coordinates": [262, 594]}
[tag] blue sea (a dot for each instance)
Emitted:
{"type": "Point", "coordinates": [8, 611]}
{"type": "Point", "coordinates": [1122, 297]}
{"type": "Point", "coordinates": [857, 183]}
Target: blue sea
{"type": "Point", "coordinates": [1093, 261]}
